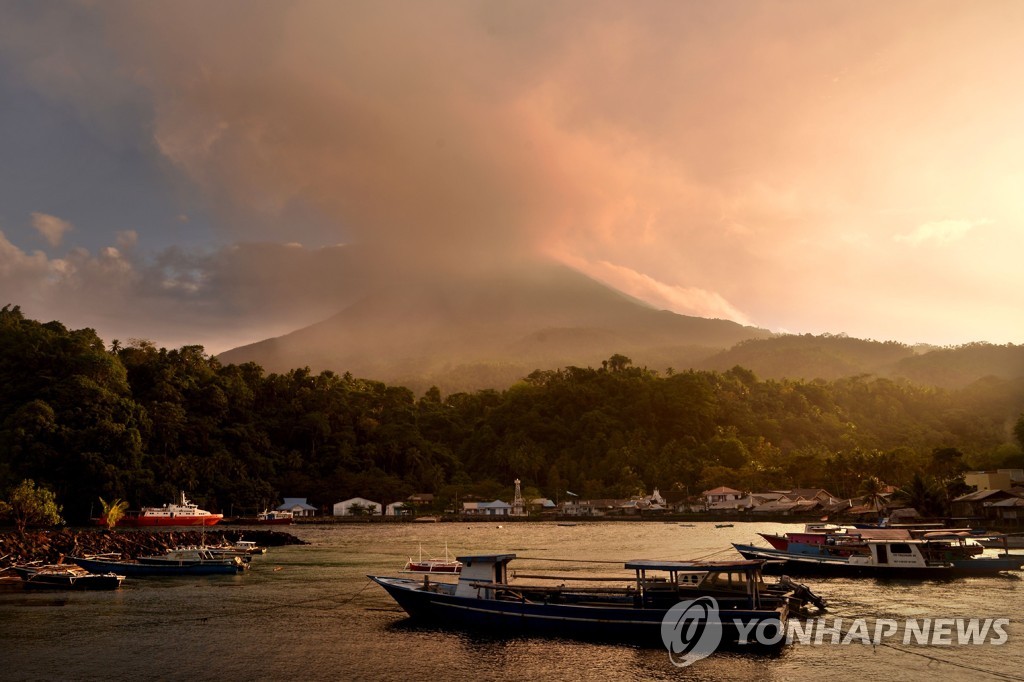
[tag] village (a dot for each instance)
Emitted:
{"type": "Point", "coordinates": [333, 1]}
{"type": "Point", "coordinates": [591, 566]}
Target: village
{"type": "Point", "coordinates": [997, 499]}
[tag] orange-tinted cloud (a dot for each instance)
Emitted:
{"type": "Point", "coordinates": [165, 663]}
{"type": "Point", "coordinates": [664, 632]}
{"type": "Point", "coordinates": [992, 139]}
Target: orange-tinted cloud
{"type": "Point", "coordinates": [776, 162]}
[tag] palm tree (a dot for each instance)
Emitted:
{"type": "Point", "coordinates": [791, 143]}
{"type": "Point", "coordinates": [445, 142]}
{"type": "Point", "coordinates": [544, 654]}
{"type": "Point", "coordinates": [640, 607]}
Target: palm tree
{"type": "Point", "coordinates": [873, 491]}
{"type": "Point", "coordinates": [924, 495]}
{"type": "Point", "coordinates": [113, 511]}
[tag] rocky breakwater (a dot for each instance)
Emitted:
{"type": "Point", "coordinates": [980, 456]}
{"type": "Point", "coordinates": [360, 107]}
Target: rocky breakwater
{"type": "Point", "coordinates": [49, 546]}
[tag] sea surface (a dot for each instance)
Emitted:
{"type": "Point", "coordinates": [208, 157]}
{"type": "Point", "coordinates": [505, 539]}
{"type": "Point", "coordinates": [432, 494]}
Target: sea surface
{"type": "Point", "coordinates": [310, 613]}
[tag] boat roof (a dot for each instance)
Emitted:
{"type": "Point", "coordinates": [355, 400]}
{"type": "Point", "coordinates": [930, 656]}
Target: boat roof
{"type": "Point", "coordinates": [654, 564]}
{"type": "Point", "coordinates": [485, 557]}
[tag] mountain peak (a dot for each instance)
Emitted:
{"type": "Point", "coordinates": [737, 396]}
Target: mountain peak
{"type": "Point", "coordinates": [420, 333]}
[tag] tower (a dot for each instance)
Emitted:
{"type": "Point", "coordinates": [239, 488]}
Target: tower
{"type": "Point", "coordinates": [518, 506]}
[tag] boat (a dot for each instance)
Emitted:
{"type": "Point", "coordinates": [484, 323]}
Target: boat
{"type": "Point", "coordinates": [934, 555]}
{"type": "Point", "coordinates": [66, 577]}
{"type": "Point", "coordinates": [183, 513]}
{"type": "Point", "coordinates": [275, 517]}
{"type": "Point", "coordinates": [1003, 541]}
{"type": "Point", "coordinates": [446, 565]}
{"type": "Point", "coordinates": [626, 608]}
{"type": "Point", "coordinates": [247, 547]}
{"type": "Point", "coordinates": [723, 525]}
{"type": "Point", "coordinates": [174, 563]}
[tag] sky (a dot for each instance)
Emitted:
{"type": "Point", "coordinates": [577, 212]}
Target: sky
{"type": "Point", "coordinates": [219, 173]}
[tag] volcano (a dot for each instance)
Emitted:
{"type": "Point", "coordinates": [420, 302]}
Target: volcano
{"type": "Point", "coordinates": [489, 330]}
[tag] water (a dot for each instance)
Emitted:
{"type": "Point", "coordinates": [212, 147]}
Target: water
{"type": "Point", "coordinates": [308, 612]}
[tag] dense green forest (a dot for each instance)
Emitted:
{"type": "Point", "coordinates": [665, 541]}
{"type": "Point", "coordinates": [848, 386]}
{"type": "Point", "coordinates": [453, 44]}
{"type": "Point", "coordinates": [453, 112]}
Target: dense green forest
{"type": "Point", "coordinates": [140, 423]}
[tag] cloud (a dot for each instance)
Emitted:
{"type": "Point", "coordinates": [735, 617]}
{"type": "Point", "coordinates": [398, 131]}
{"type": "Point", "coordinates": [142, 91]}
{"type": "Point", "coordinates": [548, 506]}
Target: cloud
{"type": "Point", "coordinates": [683, 300]}
{"type": "Point", "coordinates": [218, 298]}
{"type": "Point", "coordinates": [703, 156]}
{"type": "Point", "coordinates": [51, 227]}
{"type": "Point", "coordinates": [940, 231]}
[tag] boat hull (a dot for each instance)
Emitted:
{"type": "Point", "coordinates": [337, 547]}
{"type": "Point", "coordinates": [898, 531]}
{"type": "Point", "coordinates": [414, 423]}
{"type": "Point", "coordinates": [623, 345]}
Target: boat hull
{"type": "Point", "coordinates": [801, 564]}
{"type": "Point", "coordinates": [167, 522]}
{"type": "Point", "coordinates": [433, 567]}
{"type": "Point", "coordinates": [514, 618]}
{"type": "Point", "coordinates": [42, 580]}
{"type": "Point", "coordinates": [159, 568]}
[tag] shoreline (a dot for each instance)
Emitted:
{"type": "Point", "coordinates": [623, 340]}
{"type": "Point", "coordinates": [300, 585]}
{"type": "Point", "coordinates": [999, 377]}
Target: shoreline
{"type": "Point", "coordinates": [51, 546]}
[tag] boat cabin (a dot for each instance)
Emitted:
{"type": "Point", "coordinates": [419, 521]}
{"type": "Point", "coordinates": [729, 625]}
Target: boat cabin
{"type": "Point", "coordinates": [654, 584]}
{"type": "Point", "coordinates": [734, 584]}
{"type": "Point", "coordinates": [482, 568]}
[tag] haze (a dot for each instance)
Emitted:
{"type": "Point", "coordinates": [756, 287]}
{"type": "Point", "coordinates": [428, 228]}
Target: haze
{"type": "Point", "coordinates": [219, 173]}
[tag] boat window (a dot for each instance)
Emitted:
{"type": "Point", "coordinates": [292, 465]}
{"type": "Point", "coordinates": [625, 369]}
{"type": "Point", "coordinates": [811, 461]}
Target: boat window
{"type": "Point", "coordinates": [900, 548]}
{"type": "Point", "coordinates": [727, 581]}
{"type": "Point", "coordinates": [690, 578]}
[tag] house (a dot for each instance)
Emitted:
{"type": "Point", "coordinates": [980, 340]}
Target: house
{"type": "Point", "coordinates": [398, 509]}
{"type": "Point", "coordinates": [601, 507]}
{"type": "Point", "coordinates": [732, 504]}
{"type": "Point", "coordinates": [1010, 509]}
{"type": "Point", "coordinates": [357, 506]}
{"type": "Point", "coordinates": [820, 494]}
{"type": "Point", "coordinates": [1000, 479]}
{"type": "Point", "coordinates": [720, 496]}
{"type": "Point", "coordinates": [421, 500]}
{"type": "Point", "coordinates": [777, 506]}
{"type": "Point", "coordinates": [542, 504]}
{"type": "Point", "coordinates": [495, 508]}
{"type": "Point", "coordinates": [297, 506]}
{"type": "Point", "coordinates": [974, 504]}
{"type": "Point", "coordinates": [988, 480]}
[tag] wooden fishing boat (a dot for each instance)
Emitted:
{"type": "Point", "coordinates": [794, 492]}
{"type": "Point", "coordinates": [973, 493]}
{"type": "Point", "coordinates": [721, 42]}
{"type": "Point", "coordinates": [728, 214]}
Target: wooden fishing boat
{"type": "Point", "coordinates": [434, 565]}
{"type": "Point", "coordinates": [175, 563]}
{"type": "Point", "coordinates": [66, 577]}
{"type": "Point", "coordinates": [626, 608]}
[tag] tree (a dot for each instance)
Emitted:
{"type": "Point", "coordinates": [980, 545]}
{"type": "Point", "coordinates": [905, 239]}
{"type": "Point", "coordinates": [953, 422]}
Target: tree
{"type": "Point", "coordinates": [924, 495]}
{"type": "Point", "coordinates": [31, 505]}
{"type": "Point", "coordinates": [872, 488]}
{"type": "Point", "coordinates": [114, 511]}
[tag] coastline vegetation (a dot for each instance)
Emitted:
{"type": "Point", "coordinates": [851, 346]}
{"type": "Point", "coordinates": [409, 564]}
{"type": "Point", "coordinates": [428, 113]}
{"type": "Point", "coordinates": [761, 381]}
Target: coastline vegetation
{"type": "Point", "coordinates": [138, 423]}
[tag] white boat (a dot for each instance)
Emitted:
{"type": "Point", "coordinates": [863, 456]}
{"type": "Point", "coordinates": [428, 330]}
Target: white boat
{"type": "Point", "coordinates": [183, 513]}
{"type": "Point", "coordinates": [275, 517]}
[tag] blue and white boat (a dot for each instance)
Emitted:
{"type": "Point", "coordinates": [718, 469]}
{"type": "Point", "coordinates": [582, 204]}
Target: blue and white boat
{"type": "Point", "coordinates": [626, 608]}
{"type": "Point", "coordinates": [174, 563]}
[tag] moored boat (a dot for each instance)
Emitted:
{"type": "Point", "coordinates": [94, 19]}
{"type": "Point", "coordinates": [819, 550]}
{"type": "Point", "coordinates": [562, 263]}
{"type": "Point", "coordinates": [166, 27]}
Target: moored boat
{"type": "Point", "coordinates": [935, 555]}
{"type": "Point", "coordinates": [434, 565]}
{"type": "Point", "coordinates": [275, 517]}
{"type": "Point", "coordinates": [67, 577]}
{"type": "Point", "coordinates": [183, 513]}
{"type": "Point", "coordinates": [175, 563]}
{"type": "Point", "coordinates": [626, 608]}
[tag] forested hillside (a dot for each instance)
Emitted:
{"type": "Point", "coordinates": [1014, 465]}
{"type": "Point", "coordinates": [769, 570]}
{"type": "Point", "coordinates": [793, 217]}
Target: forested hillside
{"type": "Point", "coordinates": [91, 419]}
{"type": "Point", "coordinates": [831, 356]}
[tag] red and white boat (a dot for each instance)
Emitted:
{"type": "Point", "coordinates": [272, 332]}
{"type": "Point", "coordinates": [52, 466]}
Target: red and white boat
{"type": "Point", "coordinates": [446, 565]}
{"type": "Point", "coordinates": [184, 513]}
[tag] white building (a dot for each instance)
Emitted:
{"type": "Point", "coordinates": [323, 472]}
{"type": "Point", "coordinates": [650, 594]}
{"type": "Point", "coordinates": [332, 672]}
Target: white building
{"type": "Point", "coordinates": [398, 509]}
{"type": "Point", "coordinates": [357, 506]}
{"type": "Point", "coordinates": [721, 497]}
{"type": "Point", "coordinates": [297, 506]}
